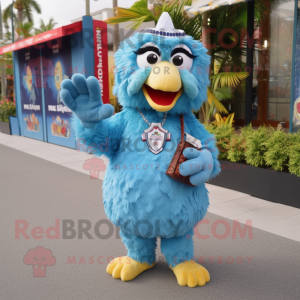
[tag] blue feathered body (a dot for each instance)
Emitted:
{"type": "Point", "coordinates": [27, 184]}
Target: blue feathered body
{"type": "Point", "coordinates": [136, 190]}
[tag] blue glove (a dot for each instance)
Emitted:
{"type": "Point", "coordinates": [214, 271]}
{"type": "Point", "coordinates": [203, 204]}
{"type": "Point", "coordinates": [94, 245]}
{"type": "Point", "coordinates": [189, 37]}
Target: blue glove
{"type": "Point", "coordinates": [199, 165]}
{"type": "Point", "coordinates": [83, 97]}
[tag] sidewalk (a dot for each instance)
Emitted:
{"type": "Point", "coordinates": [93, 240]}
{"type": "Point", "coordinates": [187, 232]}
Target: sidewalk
{"type": "Point", "coordinates": [274, 218]}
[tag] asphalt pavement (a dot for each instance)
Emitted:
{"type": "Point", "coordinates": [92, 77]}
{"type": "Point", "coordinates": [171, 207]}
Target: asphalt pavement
{"type": "Point", "coordinates": [45, 208]}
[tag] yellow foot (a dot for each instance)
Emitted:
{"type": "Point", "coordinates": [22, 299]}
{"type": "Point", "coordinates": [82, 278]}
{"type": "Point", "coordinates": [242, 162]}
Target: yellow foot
{"type": "Point", "coordinates": [190, 273]}
{"type": "Point", "coordinates": [126, 268]}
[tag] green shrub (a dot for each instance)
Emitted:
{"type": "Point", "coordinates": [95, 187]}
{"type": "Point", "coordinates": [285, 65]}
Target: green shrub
{"type": "Point", "coordinates": [223, 135]}
{"type": "Point", "coordinates": [210, 128]}
{"type": "Point", "coordinates": [237, 150]}
{"type": "Point", "coordinates": [259, 148]}
{"type": "Point", "coordinates": [277, 146]}
{"type": "Point", "coordinates": [256, 147]}
{"type": "Point", "coordinates": [236, 153]}
{"type": "Point", "coordinates": [294, 154]}
{"type": "Point", "coordinates": [7, 108]}
{"type": "Point", "coordinates": [246, 131]}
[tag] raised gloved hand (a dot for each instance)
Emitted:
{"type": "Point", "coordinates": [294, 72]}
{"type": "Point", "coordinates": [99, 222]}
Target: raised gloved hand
{"type": "Point", "coordinates": [83, 97]}
{"type": "Point", "coordinates": [199, 165]}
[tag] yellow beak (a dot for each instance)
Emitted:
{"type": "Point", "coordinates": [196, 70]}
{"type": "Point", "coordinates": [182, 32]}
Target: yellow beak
{"type": "Point", "coordinates": [163, 87]}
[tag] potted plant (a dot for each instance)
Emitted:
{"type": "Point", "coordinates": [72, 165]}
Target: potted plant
{"type": "Point", "coordinates": [264, 163]}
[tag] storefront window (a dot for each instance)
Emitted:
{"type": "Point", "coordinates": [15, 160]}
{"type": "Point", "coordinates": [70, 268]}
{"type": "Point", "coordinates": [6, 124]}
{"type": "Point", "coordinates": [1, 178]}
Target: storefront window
{"type": "Point", "coordinates": [273, 65]}
{"type": "Point", "coordinates": [296, 108]}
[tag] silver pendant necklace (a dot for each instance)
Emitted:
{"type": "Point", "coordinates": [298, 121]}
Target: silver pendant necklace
{"type": "Point", "coordinates": [155, 135]}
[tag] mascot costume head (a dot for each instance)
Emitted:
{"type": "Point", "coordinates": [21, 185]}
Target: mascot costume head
{"type": "Point", "coordinates": [162, 75]}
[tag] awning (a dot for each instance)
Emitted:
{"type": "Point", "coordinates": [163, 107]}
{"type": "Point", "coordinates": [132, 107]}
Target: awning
{"type": "Point", "coordinates": [201, 6]}
{"type": "Point", "coordinates": [43, 37]}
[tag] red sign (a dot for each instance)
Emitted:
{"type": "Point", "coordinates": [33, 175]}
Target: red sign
{"type": "Point", "coordinates": [43, 37]}
{"type": "Point", "coordinates": [101, 58]}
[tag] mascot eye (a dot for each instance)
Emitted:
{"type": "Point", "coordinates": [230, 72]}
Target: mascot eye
{"type": "Point", "coordinates": [182, 57]}
{"type": "Point", "coordinates": [182, 60]}
{"type": "Point", "coordinates": [147, 56]}
{"type": "Point", "coordinates": [147, 59]}
{"type": "Point", "coordinates": [177, 60]}
{"type": "Point", "coordinates": [152, 58]}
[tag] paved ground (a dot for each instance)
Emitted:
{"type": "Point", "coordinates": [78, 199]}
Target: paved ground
{"type": "Point", "coordinates": [272, 217]}
{"type": "Point", "coordinates": [36, 191]}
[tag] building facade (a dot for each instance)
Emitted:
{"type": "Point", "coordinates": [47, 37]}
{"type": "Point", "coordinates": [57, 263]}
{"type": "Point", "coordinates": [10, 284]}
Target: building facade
{"type": "Point", "coordinates": [273, 95]}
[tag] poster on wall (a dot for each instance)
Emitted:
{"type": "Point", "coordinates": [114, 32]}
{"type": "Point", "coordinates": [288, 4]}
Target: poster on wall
{"type": "Point", "coordinates": [296, 117]}
{"type": "Point", "coordinates": [57, 63]}
{"type": "Point", "coordinates": [31, 89]}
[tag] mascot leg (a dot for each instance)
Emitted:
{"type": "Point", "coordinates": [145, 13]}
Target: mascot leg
{"type": "Point", "coordinates": [179, 252]}
{"type": "Point", "coordinates": [140, 257]}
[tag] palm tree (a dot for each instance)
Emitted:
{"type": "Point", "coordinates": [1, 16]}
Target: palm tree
{"type": "Point", "coordinates": [24, 30]}
{"type": "Point", "coordinates": [116, 28]}
{"type": "Point", "coordinates": [24, 8]}
{"type": "Point", "coordinates": [139, 13]}
{"type": "Point", "coordinates": [45, 27]}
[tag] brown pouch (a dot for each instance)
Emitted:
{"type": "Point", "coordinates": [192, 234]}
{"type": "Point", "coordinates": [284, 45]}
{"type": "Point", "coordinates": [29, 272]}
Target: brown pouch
{"type": "Point", "coordinates": [178, 158]}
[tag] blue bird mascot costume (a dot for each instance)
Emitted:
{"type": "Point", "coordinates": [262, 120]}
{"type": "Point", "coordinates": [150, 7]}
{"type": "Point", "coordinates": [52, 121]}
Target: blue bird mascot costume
{"type": "Point", "coordinates": [162, 74]}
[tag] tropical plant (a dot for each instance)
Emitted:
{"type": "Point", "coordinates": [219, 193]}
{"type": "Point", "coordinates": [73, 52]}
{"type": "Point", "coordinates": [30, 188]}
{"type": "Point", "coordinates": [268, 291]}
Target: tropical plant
{"type": "Point", "coordinates": [139, 13]}
{"type": "Point", "coordinates": [208, 106]}
{"type": "Point", "coordinates": [225, 57]}
{"type": "Point", "coordinates": [224, 80]}
{"type": "Point", "coordinates": [221, 89]}
{"type": "Point", "coordinates": [220, 121]}
{"type": "Point", "coordinates": [45, 27]}
{"type": "Point", "coordinates": [230, 49]}
{"type": "Point", "coordinates": [24, 8]}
